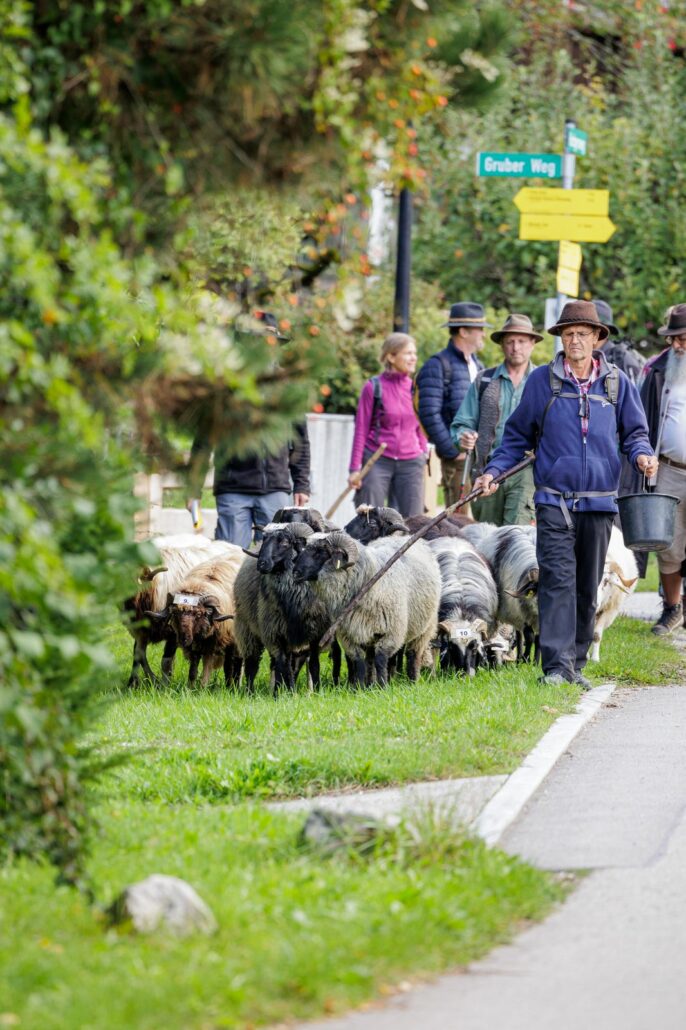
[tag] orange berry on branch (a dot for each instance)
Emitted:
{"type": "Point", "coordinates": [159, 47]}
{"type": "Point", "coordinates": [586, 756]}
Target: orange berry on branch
{"type": "Point", "coordinates": [314, 330]}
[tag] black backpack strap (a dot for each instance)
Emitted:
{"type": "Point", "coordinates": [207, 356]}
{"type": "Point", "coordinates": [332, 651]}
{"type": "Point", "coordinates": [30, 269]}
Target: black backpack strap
{"type": "Point", "coordinates": [556, 388]}
{"type": "Point", "coordinates": [447, 366]}
{"type": "Point", "coordinates": [377, 409]}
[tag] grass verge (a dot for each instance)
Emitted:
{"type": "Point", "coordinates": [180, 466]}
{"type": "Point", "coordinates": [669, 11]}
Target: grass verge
{"type": "Point", "coordinates": [299, 934]}
{"type": "Point", "coordinates": [219, 746]}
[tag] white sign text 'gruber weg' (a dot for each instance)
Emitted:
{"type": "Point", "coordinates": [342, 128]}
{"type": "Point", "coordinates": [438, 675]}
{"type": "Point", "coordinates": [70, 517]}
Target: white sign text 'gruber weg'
{"type": "Point", "coordinates": [533, 166]}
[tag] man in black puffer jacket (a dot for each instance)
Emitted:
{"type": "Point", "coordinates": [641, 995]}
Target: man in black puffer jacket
{"type": "Point", "coordinates": [442, 383]}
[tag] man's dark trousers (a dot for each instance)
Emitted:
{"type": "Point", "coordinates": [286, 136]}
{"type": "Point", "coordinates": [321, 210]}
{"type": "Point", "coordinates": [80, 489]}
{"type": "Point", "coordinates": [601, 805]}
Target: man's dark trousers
{"type": "Point", "coordinates": [571, 562]}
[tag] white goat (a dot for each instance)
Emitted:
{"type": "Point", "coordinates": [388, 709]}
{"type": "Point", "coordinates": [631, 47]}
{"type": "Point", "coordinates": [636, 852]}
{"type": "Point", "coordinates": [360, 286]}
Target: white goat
{"type": "Point", "coordinates": [619, 578]}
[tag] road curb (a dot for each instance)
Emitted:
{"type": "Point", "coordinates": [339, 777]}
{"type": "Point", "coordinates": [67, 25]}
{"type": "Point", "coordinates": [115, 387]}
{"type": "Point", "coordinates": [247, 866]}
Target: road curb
{"type": "Point", "coordinates": [510, 799]}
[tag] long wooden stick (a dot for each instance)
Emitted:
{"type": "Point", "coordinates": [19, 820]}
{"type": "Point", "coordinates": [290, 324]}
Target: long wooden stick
{"type": "Point", "coordinates": [363, 472]}
{"type": "Point", "coordinates": [331, 632]}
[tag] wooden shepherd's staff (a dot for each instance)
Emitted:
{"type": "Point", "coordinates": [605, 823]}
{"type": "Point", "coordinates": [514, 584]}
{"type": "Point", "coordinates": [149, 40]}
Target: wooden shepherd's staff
{"type": "Point", "coordinates": [363, 472]}
{"type": "Point", "coordinates": [331, 632]}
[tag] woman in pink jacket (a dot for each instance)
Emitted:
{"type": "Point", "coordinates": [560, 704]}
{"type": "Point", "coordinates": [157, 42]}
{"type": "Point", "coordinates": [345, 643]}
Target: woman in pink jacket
{"type": "Point", "coordinates": [397, 479]}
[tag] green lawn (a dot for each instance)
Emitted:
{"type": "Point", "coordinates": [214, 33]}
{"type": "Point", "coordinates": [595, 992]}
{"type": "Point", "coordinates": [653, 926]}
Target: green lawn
{"type": "Point", "coordinates": [300, 934]}
{"type": "Point", "coordinates": [652, 579]}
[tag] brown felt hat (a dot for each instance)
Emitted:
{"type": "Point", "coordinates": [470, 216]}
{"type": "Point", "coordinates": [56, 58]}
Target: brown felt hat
{"type": "Point", "coordinates": [579, 312]}
{"type": "Point", "coordinates": [516, 324]}
{"type": "Point", "coordinates": [676, 323]}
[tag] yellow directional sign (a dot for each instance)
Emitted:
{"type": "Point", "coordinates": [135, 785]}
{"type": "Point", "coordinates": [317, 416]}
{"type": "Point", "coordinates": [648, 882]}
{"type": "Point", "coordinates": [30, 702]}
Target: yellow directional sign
{"type": "Point", "coordinates": [532, 201]}
{"type": "Point", "coordinates": [584, 228]}
{"type": "Point", "coordinates": [570, 256]}
{"type": "Point", "coordinates": [567, 281]}
{"type": "Point", "coordinates": [568, 265]}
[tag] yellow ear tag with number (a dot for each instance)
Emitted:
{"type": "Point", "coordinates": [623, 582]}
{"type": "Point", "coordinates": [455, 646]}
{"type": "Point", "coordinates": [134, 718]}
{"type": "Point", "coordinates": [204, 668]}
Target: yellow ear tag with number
{"type": "Point", "coordinates": [338, 563]}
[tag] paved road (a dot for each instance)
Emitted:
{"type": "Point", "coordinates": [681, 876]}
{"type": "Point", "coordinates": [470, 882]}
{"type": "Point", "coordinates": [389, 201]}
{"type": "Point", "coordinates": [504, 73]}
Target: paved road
{"type": "Point", "coordinates": [611, 958]}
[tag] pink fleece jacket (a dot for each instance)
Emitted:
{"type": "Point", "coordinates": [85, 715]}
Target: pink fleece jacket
{"type": "Point", "coordinates": [399, 426]}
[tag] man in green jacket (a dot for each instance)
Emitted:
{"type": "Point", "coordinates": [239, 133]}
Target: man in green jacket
{"type": "Point", "coordinates": [480, 420]}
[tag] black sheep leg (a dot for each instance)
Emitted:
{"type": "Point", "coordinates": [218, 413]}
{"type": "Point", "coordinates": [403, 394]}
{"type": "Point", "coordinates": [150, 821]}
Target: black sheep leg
{"type": "Point", "coordinates": [315, 675]}
{"type": "Point", "coordinates": [336, 656]}
{"type": "Point", "coordinates": [381, 668]}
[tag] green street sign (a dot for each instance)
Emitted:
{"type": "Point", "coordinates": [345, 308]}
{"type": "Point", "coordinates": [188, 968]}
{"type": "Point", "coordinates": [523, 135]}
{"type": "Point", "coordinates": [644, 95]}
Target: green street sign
{"type": "Point", "coordinates": [531, 166]}
{"type": "Point", "coordinates": [576, 141]}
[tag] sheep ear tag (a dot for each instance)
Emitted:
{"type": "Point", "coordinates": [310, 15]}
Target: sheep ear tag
{"type": "Point", "coordinates": [338, 563]}
{"type": "Point", "coordinates": [190, 599]}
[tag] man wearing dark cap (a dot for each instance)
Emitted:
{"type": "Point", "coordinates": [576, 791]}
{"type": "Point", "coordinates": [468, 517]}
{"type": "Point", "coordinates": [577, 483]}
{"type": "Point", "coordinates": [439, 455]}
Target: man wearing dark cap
{"type": "Point", "coordinates": [442, 383]}
{"type": "Point", "coordinates": [663, 393]}
{"type": "Point", "coordinates": [572, 413]}
{"type": "Point", "coordinates": [480, 421]}
{"type": "Point", "coordinates": [620, 352]}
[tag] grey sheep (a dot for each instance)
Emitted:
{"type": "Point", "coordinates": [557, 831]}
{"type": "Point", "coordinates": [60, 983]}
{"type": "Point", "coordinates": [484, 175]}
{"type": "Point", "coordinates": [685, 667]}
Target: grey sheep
{"type": "Point", "coordinates": [274, 611]}
{"type": "Point", "coordinates": [511, 552]}
{"type": "Point", "coordinates": [400, 610]}
{"type": "Point", "coordinates": [467, 617]}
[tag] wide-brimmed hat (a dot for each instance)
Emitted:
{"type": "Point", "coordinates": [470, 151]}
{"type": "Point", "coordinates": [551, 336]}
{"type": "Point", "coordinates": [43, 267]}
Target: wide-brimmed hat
{"type": "Point", "coordinates": [516, 324]}
{"type": "Point", "coordinates": [605, 315]}
{"type": "Point", "coordinates": [468, 314]}
{"type": "Point", "coordinates": [579, 312]}
{"type": "Point", "coordinates": [676, 323]}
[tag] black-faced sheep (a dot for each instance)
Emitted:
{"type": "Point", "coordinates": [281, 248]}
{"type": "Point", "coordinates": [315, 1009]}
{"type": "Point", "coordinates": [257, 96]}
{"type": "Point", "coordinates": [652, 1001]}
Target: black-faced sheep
{"type": "Point", "coordinates": [200, 613]}
{"type": "Point", "coordinates": [178, 554]}
{"type": "Point", "coordinates": [400, 610]}
{"type": "Point", "coordinates": [372, 523]}
{"type": "Point", "coordinates": [310, 516]}
{"type": "Point", "coordinates": [467, 616]}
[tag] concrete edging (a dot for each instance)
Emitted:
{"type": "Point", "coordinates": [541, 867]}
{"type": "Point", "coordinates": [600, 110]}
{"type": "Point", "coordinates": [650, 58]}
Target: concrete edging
{"type": "Point", "coordinates": [510, 799]}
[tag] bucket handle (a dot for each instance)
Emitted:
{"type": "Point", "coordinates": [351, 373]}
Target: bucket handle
{"type": "Point", "coordinates": [646, 487]}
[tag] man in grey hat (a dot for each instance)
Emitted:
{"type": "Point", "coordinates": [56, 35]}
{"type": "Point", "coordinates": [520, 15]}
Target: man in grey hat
{"type": "Point", "coordinates": [573, 412]}
{"type": "Point", "coordinates": [441, 386]}
{"type": "Point", "coordinates": [620, 352]}
{"type": "Point", "coordinates": [478, 425]}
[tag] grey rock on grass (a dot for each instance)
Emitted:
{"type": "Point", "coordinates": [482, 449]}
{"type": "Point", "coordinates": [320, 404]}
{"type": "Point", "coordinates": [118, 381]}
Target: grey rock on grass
{"type": "Point", "coordinates": [162, 901]}
{"type": "Point", "coordinates": [332, 831]}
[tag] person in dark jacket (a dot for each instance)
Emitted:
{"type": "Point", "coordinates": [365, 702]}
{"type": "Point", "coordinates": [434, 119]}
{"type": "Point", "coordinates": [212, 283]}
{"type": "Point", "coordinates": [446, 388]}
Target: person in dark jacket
{"type": "Point", "coordinates": [442, 384]}
{"type": "Point", "coordinates": [619, 352]}
{"type": "Point", "coordinates": [663, 394]}
{"type": "Point", "coordinates": [250, 490]}
{"type": "Point", "coordinates": [572, 412]}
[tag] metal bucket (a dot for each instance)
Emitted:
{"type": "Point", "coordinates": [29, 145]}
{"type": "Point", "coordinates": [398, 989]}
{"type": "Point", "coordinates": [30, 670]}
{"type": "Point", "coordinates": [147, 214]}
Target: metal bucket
{"type": "Point", "coordinates": [647, 520]}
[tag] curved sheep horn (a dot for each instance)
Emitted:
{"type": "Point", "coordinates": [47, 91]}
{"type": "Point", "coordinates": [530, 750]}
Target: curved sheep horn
{"type": "Point", "coordinates": [164, 614]}
{"type": "Point", "coordinates": [221, 618]}
{"type": "Point", "coordinates": [149, 574]}
{"type": "Point", "coordinates": [250, 554]}
{"type": "Point", "coordinates": [340, 541]}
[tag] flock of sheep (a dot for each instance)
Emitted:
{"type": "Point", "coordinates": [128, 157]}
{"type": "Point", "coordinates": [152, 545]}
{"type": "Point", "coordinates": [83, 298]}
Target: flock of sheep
{"type": "Point", "coordinates": [466, 593]}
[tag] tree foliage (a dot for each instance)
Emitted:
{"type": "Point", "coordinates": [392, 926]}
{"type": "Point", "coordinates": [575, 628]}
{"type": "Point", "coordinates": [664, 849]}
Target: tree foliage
{"type": "Point", "coordinates": [622, 78]}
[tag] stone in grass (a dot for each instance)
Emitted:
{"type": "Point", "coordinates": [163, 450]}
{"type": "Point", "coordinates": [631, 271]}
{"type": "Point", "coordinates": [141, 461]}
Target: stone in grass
{"type": "Point", "coordinates": [333, 831]}
{"type": "Point", "coordinates": [162, 901]}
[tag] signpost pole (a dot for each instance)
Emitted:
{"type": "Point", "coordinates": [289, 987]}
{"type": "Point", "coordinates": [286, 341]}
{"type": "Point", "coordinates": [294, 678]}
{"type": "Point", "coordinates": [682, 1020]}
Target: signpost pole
{"type": "Point", "coordinates": [401, 306]}
{"type": "Point", "coordinates": [568, 169]}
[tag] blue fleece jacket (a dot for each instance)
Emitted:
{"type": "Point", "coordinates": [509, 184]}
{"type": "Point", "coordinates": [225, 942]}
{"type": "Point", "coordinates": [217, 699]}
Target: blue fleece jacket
{"type": "Point", "coordinates": [438, 401]}
{"type": "Point", "coordinates": [565, 459]}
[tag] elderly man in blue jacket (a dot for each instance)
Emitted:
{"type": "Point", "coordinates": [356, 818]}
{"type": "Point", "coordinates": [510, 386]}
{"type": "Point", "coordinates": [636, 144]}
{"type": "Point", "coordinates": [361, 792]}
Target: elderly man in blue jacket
{"type": "Point", "coordinates": [442, 383]}
{"type": "Point", "coordinates": [572, 413]}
